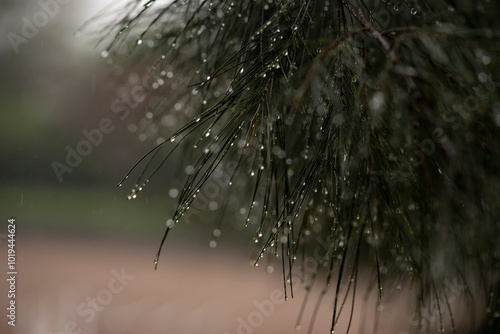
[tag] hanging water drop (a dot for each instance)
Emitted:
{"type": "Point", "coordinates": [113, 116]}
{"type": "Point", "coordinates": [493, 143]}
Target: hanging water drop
{"type": "Point", "coordinates": [413, 11]}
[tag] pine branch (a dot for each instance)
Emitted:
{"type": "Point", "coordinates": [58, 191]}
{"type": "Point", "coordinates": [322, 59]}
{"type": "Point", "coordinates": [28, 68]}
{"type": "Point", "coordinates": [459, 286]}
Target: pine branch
{"type": "Point", "coordinates": [374, 133]}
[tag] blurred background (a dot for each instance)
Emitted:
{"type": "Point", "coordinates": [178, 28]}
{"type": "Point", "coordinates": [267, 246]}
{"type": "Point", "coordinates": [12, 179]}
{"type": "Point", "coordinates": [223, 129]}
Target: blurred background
{"type": "Point", "coordinates": [84, 252]}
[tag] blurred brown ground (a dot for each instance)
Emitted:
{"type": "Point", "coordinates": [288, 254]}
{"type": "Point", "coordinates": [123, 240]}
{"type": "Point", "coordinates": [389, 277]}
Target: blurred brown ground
{"type": "Point", "coordinates": [193, 291]}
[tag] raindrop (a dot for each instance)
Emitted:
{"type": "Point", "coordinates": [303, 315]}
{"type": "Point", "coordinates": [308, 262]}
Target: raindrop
{"type": "Point", "coordinates": [173, 193]}
{"type": "Point", "coordinates": [396, 8]}
{"type": "Point", "coordinates": [413, 11]}
{"type": "Point", "coordinates": [189, 170]}
{"type": "Point", "coordinates": [139, 41]}
{"type": "Point", "coordinates": [77, 33]}
{"type": "Point", "coordinates": [212, 206]}
{"type": "Point", "coordinates": [104, 54]}
{"type": "Point", "coordinates": [213, 244]}
{"type": "Point", "coordinates": [298, 327]}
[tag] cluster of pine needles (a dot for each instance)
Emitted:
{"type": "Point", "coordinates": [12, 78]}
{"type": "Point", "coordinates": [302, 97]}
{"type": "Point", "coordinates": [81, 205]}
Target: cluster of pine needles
{"type": "Point", "coordinates": [371, 126]}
